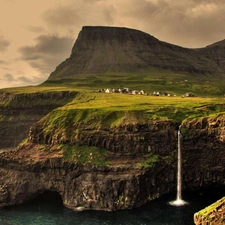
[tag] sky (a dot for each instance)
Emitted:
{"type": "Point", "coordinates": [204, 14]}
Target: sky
{"type": "Point", "coordinates": [36, 36]}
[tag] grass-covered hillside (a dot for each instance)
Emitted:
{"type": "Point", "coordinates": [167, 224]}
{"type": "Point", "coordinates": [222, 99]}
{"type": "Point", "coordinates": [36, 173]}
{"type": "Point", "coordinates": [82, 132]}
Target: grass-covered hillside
{"type": "Point", "coordinates": [92, 112]}
{"type": "Point", "coordinates": [109, 110]}
{"type": "Point", "coordinates": [208, 91]}
{"type": "Point", "coordinates": [89, 110]}
{"type": "Point", "coordinates": [154, 80]}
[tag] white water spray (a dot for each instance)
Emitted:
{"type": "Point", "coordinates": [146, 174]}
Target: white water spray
{"type": "Point", "coordinates": [179, 201]}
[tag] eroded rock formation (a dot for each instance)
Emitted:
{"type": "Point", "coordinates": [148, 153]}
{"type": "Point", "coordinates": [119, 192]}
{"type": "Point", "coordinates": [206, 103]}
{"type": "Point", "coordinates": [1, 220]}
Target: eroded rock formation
{"type": "Point", "coordinates": [19, 111]}
{"type": "Point", "coordinates": [27, 172]}
{"type": "Point", "coordinates": [124, 182]}
{"type": "Point", "coordinates": [212, 215]}
{"type": "Point", "coordinates": [157, 137]}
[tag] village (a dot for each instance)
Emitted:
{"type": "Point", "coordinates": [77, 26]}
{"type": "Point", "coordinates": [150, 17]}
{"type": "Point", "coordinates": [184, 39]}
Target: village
{"type": "Point", "coordinates": [141, 92]}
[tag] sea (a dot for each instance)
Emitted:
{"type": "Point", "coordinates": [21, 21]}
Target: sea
{"type": "Point", "coordinates": [48, 209]}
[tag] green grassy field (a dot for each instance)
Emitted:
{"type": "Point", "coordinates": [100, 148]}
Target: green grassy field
{"type": "Point", "coordinates": [125, 108]}
{"type": "Point", "coordinates": [93, 110]}
{"type": "Point", "coordinates": [149, 107]}
{"type": "Point", "coordinates": [150, 80]}
{"type": "Point", "coordinates": [35, 89]}
{"type": "Point", "coordinates": [153, 80]}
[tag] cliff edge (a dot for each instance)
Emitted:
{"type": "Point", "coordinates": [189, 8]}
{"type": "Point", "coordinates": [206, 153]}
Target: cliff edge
{"type": "Point", "coordinates": [106, 177]}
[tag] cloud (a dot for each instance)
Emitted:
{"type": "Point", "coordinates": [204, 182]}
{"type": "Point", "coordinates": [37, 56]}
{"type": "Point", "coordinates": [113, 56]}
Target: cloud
{"type": "Point", "coordinates": [47, 53]}
{"type": "Point", "coordinates": [4, 44]}
{"type": "Point", "coordinates": [63, 15]}
{"type": "Point", "coordinates": [189, 23]}
{"type": "Point", "coordinates": [201, 24]}
{"type": "Point", "coordinates": [36, 29]}
{"type": "Point", "coordinates": [24, 79]}
{"type": "Point", "coordinates": [9, 80]}
{"type": "Point", "coordinates": [141, 9]}
{"type": "Point", "coordinates": [8, 77]}
{"type": "Point", "coordinates": [30, 80]}
{"type": "Point", "coordinates": [71, 17]}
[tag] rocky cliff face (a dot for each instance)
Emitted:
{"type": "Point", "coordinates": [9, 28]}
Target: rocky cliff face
{"type": "Point", "coordinates": [213, 214]}
{"type": "Point", "coordinates": [19, 111]}
{"type": "Point", "coordinates": [156, 137]}
{"type": "Point", "coordinates": [204, 142]}
{"type": "Point", "coordinates": [26, 173]}
{"type": "Point", "coordinates": [114, 49]}
{"type": "Point", "coordinates": [124, 182]}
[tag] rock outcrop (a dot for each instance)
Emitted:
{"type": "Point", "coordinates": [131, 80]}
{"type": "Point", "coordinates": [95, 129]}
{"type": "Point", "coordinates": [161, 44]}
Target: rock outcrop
{"type": "Point", "coordinates": [203, 145]}
{"type": "Point", "coordinates": [127, 180]}
{"type": "Point", "coordinates": [158, 137]}
{"type": "Point", "coordinates": [20, 111]}
{"type": "Point", "coordinates": [28, 172]}
{"type": "Point", "coordinates": [212, 215]}
{"type": "Point", "coordinates": [99, 50]}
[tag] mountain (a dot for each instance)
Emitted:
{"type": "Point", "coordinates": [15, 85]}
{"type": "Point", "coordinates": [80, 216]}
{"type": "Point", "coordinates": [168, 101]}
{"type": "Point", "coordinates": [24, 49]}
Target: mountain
{"type": "Point", "coordinates": [100, 50]}
{"type": "Point", "coordinates": [216, 53]}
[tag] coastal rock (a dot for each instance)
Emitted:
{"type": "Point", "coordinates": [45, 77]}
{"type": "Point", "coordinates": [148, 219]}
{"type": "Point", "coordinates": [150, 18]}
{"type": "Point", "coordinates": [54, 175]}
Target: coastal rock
{"type": "Point", "coordinates": [212, 215]}
{"type": "Point", "coordinates": [20, 111]}
{"type": "Point", "coordinates": [155, 138]}
{"type": "Point", "coordinates": [81, 186]}
{"type": "Point", "coordinates": [126, 181]}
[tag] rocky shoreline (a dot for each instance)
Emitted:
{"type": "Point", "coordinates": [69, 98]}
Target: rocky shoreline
{"type": "Point", "coordinates": [81, 187]}
{"type": "Point", "coordinates": [125, 182]}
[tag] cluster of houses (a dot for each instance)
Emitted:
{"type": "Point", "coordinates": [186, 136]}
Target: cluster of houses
{"type": "Point", "coordinates": [124, 91]}
{"type": "Point", "coordinates": [140, 92]}
{"type": "Point", "coordinates": [133, 92]}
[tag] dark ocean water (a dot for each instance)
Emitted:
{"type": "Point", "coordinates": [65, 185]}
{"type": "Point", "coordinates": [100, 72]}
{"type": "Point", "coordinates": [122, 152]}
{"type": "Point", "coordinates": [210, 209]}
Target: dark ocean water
{"type": "Point", "coordinates": [48, 210]}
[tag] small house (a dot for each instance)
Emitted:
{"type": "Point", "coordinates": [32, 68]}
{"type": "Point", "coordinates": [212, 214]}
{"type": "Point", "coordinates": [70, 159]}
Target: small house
{"type": "Point", "coordinates": [189, 94]}
{"type": "Point", "coordinates": [141, 92]}
{"type": "Point", "coordinates": [125, 90]}
{"type": "Point", "coordinates": [156, 93]}
{"type": "Point", "coordinates": [135, 92]}
{"type": "Point", "coordinates": [108, 90]}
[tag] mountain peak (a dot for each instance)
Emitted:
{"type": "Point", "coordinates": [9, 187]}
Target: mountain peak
{"type": "Point", "coordinates": [217, 44]}
{"type": "Point", "coordinates": [98, 36]}
{"type": "Point", "coordinates": [100, 49]}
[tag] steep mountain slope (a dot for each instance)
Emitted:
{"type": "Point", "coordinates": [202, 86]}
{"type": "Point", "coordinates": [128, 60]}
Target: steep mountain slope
{"type": "Point", "coordinates": [216, 53]}
{"type": "Point", "coordinates": [113, 49]}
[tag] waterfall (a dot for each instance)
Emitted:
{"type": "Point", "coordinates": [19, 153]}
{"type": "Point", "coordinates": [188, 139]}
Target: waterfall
{"type": "Point", "coordinates": [179, 201]}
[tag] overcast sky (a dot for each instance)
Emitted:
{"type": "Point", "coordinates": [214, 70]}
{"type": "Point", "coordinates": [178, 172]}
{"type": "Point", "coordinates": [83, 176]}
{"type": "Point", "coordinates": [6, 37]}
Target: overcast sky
{"type": "Point", "coordinates": [35, 36]}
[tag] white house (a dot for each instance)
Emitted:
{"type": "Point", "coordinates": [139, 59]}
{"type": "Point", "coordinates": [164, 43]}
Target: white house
{"type": "Point", "coordinates": [108, 90]}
